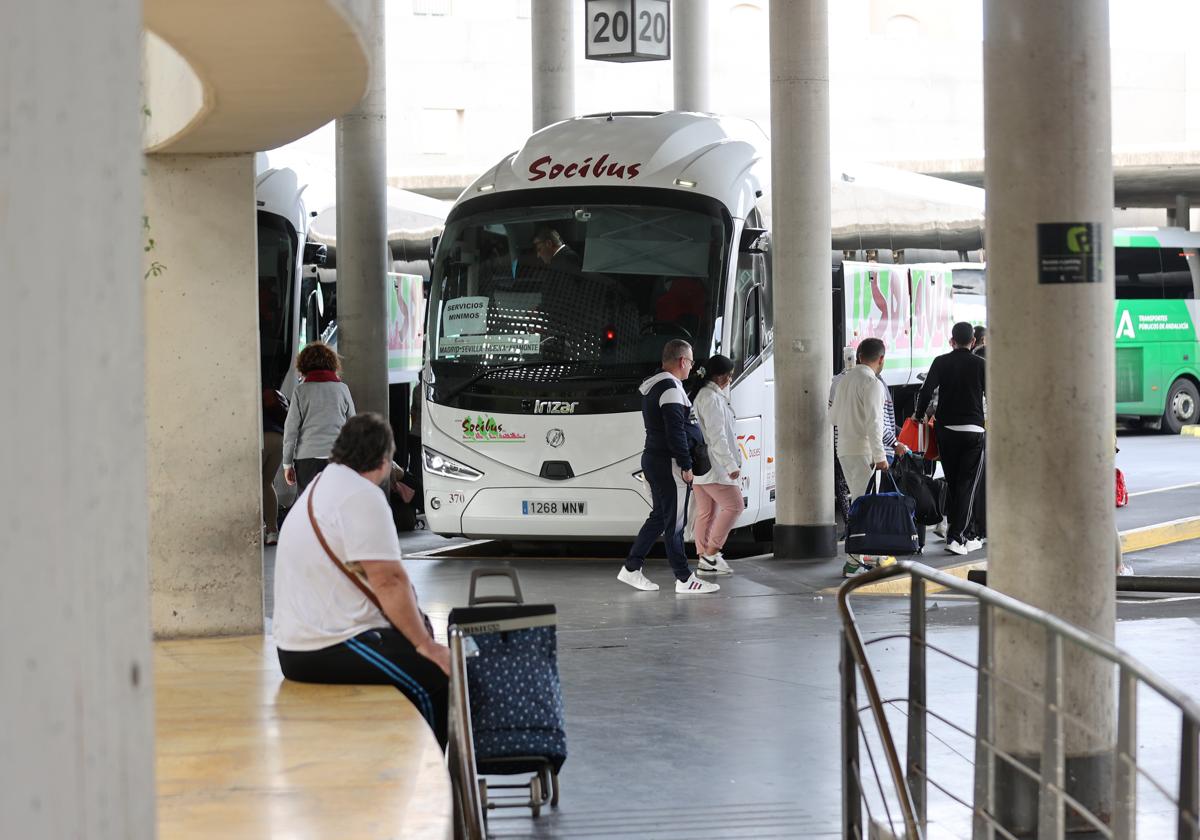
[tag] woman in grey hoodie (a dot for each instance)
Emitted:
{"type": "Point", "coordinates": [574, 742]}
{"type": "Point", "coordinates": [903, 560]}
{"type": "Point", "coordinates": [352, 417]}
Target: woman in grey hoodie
{"type": "Point", "coordinates": [321, 405]}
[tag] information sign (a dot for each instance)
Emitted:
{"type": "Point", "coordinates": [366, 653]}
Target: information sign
{"type": "Point", "coordinates": [628, 30]}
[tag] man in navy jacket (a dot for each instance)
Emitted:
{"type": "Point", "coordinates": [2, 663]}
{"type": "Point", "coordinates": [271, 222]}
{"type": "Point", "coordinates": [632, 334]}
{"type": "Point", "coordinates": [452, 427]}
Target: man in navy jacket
{"type": "Point", "coordinates": [667, 467]}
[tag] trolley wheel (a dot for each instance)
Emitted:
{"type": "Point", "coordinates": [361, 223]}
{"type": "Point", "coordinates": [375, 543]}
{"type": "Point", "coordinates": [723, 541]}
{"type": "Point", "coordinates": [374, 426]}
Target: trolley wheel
{"type": "Point", "coordinates": [554, 788]}
{"type": "Point", "coordinates": [535, 796]}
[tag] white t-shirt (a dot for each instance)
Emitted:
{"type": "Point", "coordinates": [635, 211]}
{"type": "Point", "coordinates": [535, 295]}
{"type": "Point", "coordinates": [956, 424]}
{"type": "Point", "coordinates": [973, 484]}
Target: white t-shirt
{"type": "Point", "coordinates": [316, 606]}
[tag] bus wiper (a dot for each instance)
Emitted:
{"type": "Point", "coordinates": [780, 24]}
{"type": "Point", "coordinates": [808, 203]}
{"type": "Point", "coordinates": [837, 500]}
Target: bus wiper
{"type": "Point", "coordinates": [488, 371]}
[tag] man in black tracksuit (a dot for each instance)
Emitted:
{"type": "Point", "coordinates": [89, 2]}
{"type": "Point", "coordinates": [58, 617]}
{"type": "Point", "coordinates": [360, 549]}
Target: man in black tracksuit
{"type": "Point", "coordinates": [958, 378]}
{"type": "Point", "coordinates": [667, 468]}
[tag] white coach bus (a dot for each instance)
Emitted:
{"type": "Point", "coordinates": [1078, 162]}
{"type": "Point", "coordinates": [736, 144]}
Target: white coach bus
{"type": "Point", "coordinates": [561, 274]}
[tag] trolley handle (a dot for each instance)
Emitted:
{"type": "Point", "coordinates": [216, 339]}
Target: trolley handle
{"type": "Point", "coordinates": [516, 598]}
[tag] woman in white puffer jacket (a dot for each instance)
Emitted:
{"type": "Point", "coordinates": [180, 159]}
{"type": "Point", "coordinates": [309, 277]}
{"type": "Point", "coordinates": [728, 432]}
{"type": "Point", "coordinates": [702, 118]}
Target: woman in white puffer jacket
{"type": "Point", "coordinates": [718, 492]}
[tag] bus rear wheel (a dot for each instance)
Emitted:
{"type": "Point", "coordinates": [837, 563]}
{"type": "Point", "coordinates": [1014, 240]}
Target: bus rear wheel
{"type": "Point", "coordinates": [1183, 406]}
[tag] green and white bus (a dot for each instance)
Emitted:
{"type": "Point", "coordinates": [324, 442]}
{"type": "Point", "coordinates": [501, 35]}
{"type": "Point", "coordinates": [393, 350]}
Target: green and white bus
{"type": "Point", "coordinates": [1157, 326]}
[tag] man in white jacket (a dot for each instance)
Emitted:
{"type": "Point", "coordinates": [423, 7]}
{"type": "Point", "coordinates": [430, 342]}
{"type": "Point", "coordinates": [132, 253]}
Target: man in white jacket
{"type": "Point", "coordinates": [858, 414]}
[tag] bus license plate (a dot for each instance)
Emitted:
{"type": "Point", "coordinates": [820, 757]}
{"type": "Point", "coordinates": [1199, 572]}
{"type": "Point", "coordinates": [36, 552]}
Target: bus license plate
{"type": "Point", "coordinates": [530, 508]}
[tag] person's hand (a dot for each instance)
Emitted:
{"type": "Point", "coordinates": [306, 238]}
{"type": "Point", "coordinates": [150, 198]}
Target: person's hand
{"type": "Point", "coordinates": [901, 449]}
{"type": "Point", "coordinates": [436, 653]}
{"type": "Point", "coordinates": [735, 474]}
{"type": "Point", "coordinates": [289, 475]}
{"type": "Point", "coordinates": [687, 476]}
{"type": "Point", "coordinates": [881, 465]}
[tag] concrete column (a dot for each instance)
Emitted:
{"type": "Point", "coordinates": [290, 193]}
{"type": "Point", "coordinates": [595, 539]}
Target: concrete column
{"type": "Point", "coordinates": [77, 739]}
{"type": "Point", "coordinates": [690, 54]}
{"type": "Point", "coordinates": [1047, 100]}
{"type": "Point", "coordinates": [553, 35]}
{"type": "Point", "coordinates": [363, 259]}
{"type": "Point", "coordinates": [203, 401]}
{"type": "Point", "coordinates": [1183, 212]}
{"type": "Point", "coordinates": [802, 260]}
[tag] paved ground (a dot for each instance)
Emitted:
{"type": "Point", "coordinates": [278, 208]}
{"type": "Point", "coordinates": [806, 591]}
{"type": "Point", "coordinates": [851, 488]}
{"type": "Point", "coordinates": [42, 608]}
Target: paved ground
{"type": "Point", "coordinates": [717, 716]}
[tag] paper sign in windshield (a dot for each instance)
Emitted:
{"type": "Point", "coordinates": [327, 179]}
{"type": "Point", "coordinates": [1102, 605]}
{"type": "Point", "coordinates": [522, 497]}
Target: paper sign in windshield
{"type": "Point", "coordinates": [465, 316]}
{"type": "Point", "coordinates": [521, 344]}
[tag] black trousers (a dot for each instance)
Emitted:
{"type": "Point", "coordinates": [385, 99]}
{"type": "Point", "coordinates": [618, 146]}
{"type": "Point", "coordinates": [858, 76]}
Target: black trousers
{"type": "Point", "coordinates": [377, 657]}
{"type": "Point", "coordinates": [962, 462]}
{"type": "Point", "coordinates": [306, 470]}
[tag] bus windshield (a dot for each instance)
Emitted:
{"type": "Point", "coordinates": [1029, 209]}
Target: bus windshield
{"type": "Point", "coordinates": [526, 296]}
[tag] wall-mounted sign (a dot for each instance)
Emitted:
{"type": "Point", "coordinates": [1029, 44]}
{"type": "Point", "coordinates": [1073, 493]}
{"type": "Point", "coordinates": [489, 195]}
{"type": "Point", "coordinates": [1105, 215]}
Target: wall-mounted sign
{"type": "Point", "coordinates": [628, 30]}
{"type": "Point", "coordinates": [1069, 252]}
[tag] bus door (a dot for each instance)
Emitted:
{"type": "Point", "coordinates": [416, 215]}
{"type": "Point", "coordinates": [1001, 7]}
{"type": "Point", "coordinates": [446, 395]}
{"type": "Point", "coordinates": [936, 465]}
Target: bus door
{"type": "Point", "coordinates": [749, 340]}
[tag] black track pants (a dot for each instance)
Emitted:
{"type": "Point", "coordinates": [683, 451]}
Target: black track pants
{"type": "Point", "coordinates": [962, 461]}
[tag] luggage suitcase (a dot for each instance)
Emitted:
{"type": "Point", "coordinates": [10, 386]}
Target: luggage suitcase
{"type": "Point", "coordinates": [882, 524]}
{"type": "Point", "coordinates": [513, 722]}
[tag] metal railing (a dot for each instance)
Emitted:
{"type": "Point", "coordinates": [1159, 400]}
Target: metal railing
{"type": "Point", "coordinates": [469, 821]}
{"type": "Point", "coordinates": [899, 807]}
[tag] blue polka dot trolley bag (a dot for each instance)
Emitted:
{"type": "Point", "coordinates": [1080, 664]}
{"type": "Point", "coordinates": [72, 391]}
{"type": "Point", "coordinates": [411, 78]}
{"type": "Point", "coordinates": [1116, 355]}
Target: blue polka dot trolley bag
{"type": "Point", "coordinates": [508, 652]}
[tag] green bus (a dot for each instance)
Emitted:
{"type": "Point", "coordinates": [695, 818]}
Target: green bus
{"type": "Point", "coordinates": [1157, 326]}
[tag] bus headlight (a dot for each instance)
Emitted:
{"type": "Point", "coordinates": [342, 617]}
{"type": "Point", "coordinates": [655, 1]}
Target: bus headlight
{"type": "Point", "coordinates": [446, 467]}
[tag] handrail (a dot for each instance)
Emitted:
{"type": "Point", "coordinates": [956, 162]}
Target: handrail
{"type": "Point", "coordinates": [460, 749]}
{"type": "Point", "coordinates": [911, 778]}
{"type": "Point", "coordinates": [1078, 635]}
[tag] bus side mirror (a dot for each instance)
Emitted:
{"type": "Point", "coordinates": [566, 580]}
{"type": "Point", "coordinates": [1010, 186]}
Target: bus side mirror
{"type": "Point", "coordinates": [314, 307]}
{"type": "Point", "coordinates": [754, 241]}
{"type": "Point", "coordinates": [315, 253]}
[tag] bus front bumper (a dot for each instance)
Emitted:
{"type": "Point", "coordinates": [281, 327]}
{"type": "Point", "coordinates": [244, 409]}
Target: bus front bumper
{"type": "Point", "coordinates": [536, 513]}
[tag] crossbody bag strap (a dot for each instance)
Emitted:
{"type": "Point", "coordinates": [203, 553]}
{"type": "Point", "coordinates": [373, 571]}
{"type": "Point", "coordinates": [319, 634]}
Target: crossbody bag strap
{"type": "Point", "coordinates": [355, 579]}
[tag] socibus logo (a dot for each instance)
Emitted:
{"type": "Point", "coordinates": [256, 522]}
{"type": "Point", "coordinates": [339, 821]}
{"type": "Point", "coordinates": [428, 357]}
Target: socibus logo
{"type": "Point", "coordinates": [546, 167]}
{"type": "Point", "coordinates": [487, 430]}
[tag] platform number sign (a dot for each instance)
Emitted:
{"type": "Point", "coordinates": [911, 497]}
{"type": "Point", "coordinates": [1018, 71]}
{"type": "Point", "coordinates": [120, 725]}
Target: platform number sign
{"type": "Point", "coordinates": [628, 30]}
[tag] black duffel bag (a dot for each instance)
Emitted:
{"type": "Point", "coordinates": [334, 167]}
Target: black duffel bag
{"type": "Point", "coordinates": [912, 481]}
{"type": "Point", "coordinates": [881, 523]}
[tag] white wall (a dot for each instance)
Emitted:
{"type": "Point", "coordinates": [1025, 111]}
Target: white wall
{"type": "Point", "coordinates": [76, 741]}
{"type": "Point", "coordinates": [202, 396]}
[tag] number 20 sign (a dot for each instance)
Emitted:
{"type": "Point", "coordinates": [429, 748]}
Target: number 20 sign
{"type": "Point", "coordinates": [628, 30]}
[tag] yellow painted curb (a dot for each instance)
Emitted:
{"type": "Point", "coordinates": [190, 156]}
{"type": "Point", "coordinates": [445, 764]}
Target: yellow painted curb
{"type": "Point", "coordinates": [903, 585]}
{"type": "Point", "coordinates": [1164, 533]}
{"type": "Point", "coordinates": [1190, 431]}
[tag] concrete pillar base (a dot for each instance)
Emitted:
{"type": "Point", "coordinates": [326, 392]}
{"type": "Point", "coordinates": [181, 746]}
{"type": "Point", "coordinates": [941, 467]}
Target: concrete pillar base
{"type": "Point", "coordinates": [1089, 781]}
{"type": "Point", "coordinates": [805, 542]}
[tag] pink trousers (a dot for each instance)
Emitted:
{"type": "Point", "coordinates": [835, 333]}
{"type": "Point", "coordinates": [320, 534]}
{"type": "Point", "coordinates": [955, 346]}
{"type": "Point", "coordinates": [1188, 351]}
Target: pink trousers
{"type": "Point", "coordinates": [717, 508]}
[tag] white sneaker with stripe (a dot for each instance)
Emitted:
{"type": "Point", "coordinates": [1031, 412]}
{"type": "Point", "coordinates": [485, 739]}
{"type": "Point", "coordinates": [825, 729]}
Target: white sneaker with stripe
{"type": "Point", "coordinates": [714, 565]}
{"type": "Point", "coordinates": [695, 586]}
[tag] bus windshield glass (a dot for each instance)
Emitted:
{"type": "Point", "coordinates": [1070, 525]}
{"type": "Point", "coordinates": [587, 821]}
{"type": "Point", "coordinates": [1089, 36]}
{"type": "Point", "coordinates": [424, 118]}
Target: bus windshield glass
{"type": "Point", "coordinates": [522, 297]}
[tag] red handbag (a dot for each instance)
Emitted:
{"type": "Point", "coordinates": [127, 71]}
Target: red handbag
{"type": "Point", "coordinates": [919, 437]}
{"type": "Point", "coordinates": [1122, 490]}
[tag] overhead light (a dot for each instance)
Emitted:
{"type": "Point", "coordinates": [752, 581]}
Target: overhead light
{"type": "Point", "coordinates": [683, 182]}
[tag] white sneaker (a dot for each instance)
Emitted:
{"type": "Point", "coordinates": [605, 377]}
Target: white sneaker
{"type": "Point", "coordinates": [695, 586]}
{"type": "Point", "coordinates": [974, 545]}
{"type": "Point", "coordinates": [1125, 570]}
{"type": "Point", "coordinates": [714, 565]}
{"type": "Point", "coordinates": [957, 548]}
{"type": "Point", "coordinates": [637, 580]}
{"type": "Point", "coordinates": [940, 529]}
{"type": "Point", "coordinates": [271, 538]}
